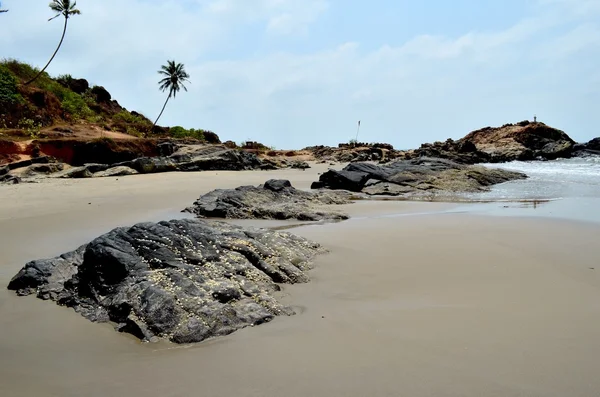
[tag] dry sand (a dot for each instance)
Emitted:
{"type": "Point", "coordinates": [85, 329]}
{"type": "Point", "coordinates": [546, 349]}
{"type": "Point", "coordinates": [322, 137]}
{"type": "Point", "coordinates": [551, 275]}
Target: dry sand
{"type": "Point", "coordinates": [423, 305]}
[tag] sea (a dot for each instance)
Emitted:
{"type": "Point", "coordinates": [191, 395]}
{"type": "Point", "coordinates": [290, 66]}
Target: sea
{"type": "Point", "coordinates": [565, 189]}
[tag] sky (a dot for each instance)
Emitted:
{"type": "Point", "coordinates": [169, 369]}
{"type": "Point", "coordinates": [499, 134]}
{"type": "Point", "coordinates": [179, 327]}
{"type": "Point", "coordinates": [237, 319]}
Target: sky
{"type": "Point", "coordinates": [294, 73]}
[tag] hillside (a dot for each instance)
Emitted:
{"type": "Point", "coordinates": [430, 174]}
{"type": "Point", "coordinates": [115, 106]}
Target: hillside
{"type": "Point", "coordinates": [521, 141]}
{"type": "Point", "coordinates": [68, 108]}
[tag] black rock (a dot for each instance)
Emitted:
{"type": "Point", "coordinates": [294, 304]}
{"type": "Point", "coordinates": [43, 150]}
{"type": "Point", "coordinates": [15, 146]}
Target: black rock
{"type": "Point", "coordinates": [214, 158]}
{"type": "Point", "coordinates": [102, 96]}
{"type": "Point", "coordinates": [166, 148]}
{"type": "Point", "coordinates": [150, 165]}
{"type": "Point", "coordinates": [353, 181]}
{"type": "Point", "coordinates": [276, 199]}
{"type": "Point", "coordinates": [432, 176]}
{"type": "Point", "coordinates": [9, 179]}
{"type": "Point", "coordinates": [27, 163]}
{"type": "Point", "coordinates": [182, 280]}
{"type": "Point", "coordinates": [277, 185]}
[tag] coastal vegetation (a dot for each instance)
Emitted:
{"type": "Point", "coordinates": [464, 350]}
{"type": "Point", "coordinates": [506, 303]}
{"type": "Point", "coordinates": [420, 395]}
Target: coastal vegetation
{"type": "Point", "coordinates": [66, 9]}
{"type": "Point", "coordinates": [175, 76]}
{"type": "Point", "coordinates": [32, 101]}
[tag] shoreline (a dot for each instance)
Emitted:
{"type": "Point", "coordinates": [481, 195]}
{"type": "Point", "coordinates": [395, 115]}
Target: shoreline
{"type": "Point", "coordinates": [406, 301]}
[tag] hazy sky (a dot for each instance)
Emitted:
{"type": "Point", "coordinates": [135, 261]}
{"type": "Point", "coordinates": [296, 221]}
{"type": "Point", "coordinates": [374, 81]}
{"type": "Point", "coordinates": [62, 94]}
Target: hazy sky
{"type": "Point", "coordinates": [292, 73]}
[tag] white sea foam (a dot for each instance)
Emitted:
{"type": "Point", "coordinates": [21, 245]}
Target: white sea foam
{"type": "Point", "coordinates": [567, 178]}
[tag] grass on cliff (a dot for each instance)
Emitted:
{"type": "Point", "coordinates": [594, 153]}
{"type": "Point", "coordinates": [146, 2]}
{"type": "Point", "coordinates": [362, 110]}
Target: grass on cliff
{"type": "Point", "coordinates": [50, 101]}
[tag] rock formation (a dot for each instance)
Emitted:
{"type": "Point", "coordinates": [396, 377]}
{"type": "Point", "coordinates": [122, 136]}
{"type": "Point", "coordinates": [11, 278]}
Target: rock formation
{"type": "Point", "coordinates": [421, 177]}
{"type": "Point", "coordinates": [276, 199]}
{"type": "Point", "coordinates": [521, 141]}
{"type": "Point", "coordinates": [357, 152]}
{"type": "Point", "coordinates": [181, 280]}
{"type": "Point", "coordinates": [590, 148]}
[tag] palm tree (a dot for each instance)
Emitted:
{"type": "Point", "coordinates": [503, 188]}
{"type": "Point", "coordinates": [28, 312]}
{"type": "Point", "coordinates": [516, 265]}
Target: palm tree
{"type": "Point", "coordinates": [66, 9]}
{"type": "Point", "coordinates": [175, 76]}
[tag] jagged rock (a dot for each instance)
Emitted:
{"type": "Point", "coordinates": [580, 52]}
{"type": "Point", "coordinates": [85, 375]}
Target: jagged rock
{"type": "Point", "coordinates": [27, 163]}
{"type": "Point", "coordinates": [211, 137]}
{"type": "Point", "coordinates": [353, 181]}
{"type": "Point", "coordinates": [46, 169]}
{"type": "Point", "coordinates": [93, 167]}
{"type": "Point", "coordinates": [214, 158]}
{"type": "Point", "coordinates": [181, 280]}
{"type": "Point", "coordinates": [276, 199]}
{"type": "Point", "coordinates": [522, 141]}
{"type": "Point", "coordinates": [166, 148]}
{"type": "Point", "coordinates": [150, 165]}
{"type": "Point", "coordinates": [413, 177]}
{"type": "Point", "coordinates": [590, 148]}
{"type": "Point", "coordinates": [270, 164]}
{"type": "Point", "coordinates": [462, 152]}
{"type": "Point", "coordinates": [102, 96]}
{"type": "Point", "coordinates": [358, 152]}
{"type": "Point", "coordinates": [74, 172]}
{"type": "Point", "coordinates": [116, 171]}
{"type": "Point", "coordinates": [9, 179]}
{"type": "Point", "coordinates": [302, 165]}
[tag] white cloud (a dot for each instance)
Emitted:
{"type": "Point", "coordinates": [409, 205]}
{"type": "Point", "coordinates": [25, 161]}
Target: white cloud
{"type": "Point", "coordinates": [429, 88]}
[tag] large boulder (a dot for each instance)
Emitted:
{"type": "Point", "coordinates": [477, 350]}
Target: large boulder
{"type": "Point", "coordinates": [150, 165]}
{"type": "Point", "coordinates": [590, 148]}
{"type": "Point", "coordinates": [214, 158]}
{"type": "Point", "coordinates": [102, 95]}
{"type": "Point", "coordinates": [462, 152]}
{"type": "Point", "coordinates": [74, 172]}
{"type": "Point", "coordinates": [116, 171]}
{"type": "Point", "coordinates": [415, 178]}
{"type": "Point", "coordinates": [353, 181]}
{"type": "Point", "coordinates": [522, 141]}
{"type": "Point", "coordinates": [181, 280]}
{"type": "Point", "coordinates": [276, 199]}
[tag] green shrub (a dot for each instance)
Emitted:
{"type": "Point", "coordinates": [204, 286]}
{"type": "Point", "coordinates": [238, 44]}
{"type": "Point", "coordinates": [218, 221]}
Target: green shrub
{"type": "Point", "coordinates": [125, 117]}
{"type": "Point", "coordinates": [65, 79]}
{"type": "Point", "coordinates": [8, 87]}
{"type": "Point", "coordinates": [131, 130]}
{"type": "Point", "coordinates": [180, 132]}
{"type": "Point", "coordinates": [74, 104]}
{"type": "Point", "coordinates": [95, 118]}
{"type": "Point", "coordinates": [21, 70]}
{"type": "Point", "coordinates": [31, 127]}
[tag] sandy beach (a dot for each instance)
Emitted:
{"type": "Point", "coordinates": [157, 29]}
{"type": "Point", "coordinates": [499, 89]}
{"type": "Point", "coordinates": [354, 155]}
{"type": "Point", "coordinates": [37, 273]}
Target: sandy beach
{"type": "Point", "coordinates": [412, 300]}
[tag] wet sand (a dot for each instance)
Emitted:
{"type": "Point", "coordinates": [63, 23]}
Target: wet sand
{"type": "Point", "coordinates": [432, 304]}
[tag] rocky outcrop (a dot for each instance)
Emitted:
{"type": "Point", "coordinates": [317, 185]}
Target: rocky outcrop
{"type": "Point", "coordinates": [115, 171]}
{"type": "Point", "coordinates": [276, 199]}
{"type": "Point", "coordinates": [422, 177]}
{"type": "Point", "coordinates": [590, 148]}
{"type": "Point", "coordinates": [184, 158]}
{"type": "Point", "coordinates": [181, 280]}
{"type": "Point", "coordinates": [346, 153]}
{"type": "Point", "coordinates": [522, 141]}
{"type": "Point", "coordinates": [213, 158]}
{"type": "Point", "coordinates": [462, 152]}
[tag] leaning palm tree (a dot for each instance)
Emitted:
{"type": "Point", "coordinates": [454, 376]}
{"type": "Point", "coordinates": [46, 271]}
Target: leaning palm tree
{"type": "Point", "coordinates": [175, 76]}
{"type": "Point", "coordinates": [66, 9]}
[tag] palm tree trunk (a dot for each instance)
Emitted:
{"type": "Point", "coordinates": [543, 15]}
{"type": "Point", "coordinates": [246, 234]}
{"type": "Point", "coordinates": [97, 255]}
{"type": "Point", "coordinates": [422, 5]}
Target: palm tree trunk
{"type": "Point", "coordinates": [161, 112]}
{"type": "Point", "coordinates": [53, 55]}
